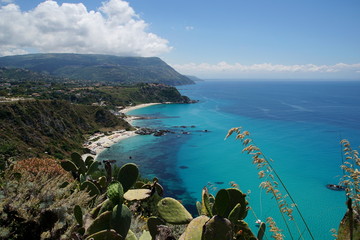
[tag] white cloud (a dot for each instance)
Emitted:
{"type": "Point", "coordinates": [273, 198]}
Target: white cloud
{"type": "Point", "coordinates": [114, 29]}
{"type": "Point", "coordinates": [189, 28]}
{"type": "Point", "coordinates": [263, 69]}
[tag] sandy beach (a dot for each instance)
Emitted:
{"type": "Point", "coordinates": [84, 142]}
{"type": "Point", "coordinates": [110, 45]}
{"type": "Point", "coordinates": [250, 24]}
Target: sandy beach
{"type": "Point", "coordinates": [128, 109]}
{"type": "Point", "coordinates": [100, 141]}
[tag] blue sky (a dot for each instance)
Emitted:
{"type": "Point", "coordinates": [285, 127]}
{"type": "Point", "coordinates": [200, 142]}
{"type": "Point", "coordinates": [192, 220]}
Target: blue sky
{"type": "Point", "coordinates": [210, 39]}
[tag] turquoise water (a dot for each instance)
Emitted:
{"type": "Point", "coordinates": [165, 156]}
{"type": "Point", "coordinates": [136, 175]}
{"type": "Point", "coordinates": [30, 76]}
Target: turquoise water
{"type": "Point", "coordinates": [298, 125]}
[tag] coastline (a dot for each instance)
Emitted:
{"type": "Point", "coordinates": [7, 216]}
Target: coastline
{"type": "Point", "coordinates": [98, 142]}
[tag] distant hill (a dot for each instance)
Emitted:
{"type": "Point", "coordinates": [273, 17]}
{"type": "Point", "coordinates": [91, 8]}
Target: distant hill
{"type": "Point", "coordinates": [106, 68]}
{"type": "Point", "coordinates": [194, 78]}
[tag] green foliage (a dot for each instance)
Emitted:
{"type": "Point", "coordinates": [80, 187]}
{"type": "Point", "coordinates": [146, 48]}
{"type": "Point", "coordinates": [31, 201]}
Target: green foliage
{"type": "Point", "coordinates": [32, 206]}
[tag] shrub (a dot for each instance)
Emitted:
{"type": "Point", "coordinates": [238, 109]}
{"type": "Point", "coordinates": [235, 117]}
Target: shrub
{"type": "Point", "coordinates": [34, 203]}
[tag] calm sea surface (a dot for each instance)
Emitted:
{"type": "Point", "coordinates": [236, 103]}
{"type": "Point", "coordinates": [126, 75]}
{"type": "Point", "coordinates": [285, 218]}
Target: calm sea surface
{"type": "Point", "coordinates": [296, 124]}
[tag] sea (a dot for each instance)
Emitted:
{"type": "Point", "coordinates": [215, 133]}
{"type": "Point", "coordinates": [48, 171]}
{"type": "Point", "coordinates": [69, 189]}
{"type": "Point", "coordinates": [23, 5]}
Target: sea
{"type": "Point", "coordinates": [298, 125]}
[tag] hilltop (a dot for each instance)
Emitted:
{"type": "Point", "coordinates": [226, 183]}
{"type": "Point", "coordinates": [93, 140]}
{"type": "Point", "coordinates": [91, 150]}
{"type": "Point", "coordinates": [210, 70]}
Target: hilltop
{"type": "Point", "coordinates": [100, 68]}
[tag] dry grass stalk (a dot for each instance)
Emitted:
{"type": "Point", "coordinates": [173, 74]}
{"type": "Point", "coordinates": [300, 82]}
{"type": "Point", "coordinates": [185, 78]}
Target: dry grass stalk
{"type": "Point", "coordinates": [276, 232]}
{"type": "Point", "coordinates": [351, 178]}
{"type": "Point", "coordinates": [267, 172]}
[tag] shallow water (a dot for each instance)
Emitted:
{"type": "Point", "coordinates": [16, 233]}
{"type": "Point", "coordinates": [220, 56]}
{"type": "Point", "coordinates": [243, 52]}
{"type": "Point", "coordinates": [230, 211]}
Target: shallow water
{"type": "Point", "coordinates": [298, 125]}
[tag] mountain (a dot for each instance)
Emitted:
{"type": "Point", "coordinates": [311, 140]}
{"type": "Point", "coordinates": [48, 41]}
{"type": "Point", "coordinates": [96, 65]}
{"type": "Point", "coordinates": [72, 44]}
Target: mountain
{"type": "Point", "coordinates": [101, 68]}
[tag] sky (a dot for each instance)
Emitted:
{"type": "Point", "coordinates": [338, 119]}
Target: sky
{"type": "Point", "coordinates": [238, 39]}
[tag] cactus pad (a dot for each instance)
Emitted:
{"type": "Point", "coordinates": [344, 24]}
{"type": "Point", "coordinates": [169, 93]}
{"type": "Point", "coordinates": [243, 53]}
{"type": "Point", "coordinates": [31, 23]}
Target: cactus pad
{"type": "Point", "coordinates": [79, 162]}
{"type": "Point", "coordinates": [222, 201]}
{"type": "Point", "coordinates": [104, 235]}
{"type": "Point", "coordinates": [90, 187]}
{"type": "Point", "coordinates": [217, 228]}
{"type": "Point", "coordinates": [78, 215]}
{"type": "Point", "coordinates": [152, 224]}
{"type": "Point", "coordinates": [128, 175]}
{"type": "Point", "coordinates": [102, 222]}
{"type": "Point", "coordinates": [121, 219]}
{"type": "Point", "coordinates": [172, 211]}
{"type": "Point", "coordinates": [194, 229]}
{"type": "Point", "coordinates": [137, 194]}
{"type": "Point", "coordinates": [115, 192]}
{"type": "Point", "coordinates": [68, 166]}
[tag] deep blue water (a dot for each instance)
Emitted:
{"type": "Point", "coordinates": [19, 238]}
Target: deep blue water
{"type": "Point", "coordinates": [297, 124]}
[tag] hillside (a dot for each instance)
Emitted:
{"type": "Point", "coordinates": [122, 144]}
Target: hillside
{"type": "Point", "coordinates": [105, 68]}
{"type": "Point", "coordinates": [16, 82]}
{"type": "Point", "coordinates": [31, 128]}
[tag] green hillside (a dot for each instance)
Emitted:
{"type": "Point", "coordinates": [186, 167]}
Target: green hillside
{"type": "Point", "coordinates": [31, 128]}
{"type": "Point", "coordinates": [104, 68]}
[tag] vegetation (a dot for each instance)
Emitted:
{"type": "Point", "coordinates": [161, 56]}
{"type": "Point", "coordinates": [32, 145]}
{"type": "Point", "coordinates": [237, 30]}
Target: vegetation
{"type": "Point", "coordinates": [96, 204]}
{"type": "Point", "coordinates": [27, 84]}
{"type": "Point", "coordinates": [41, 127]}
{"type": "Point", "coordinates": [86, 199]}
{"type": "Point", "coordinates": [55, 113]}
{"type": "Point", "coordinates": [100, 68]}
{"type": "Point", "coordinates": [350, 224]}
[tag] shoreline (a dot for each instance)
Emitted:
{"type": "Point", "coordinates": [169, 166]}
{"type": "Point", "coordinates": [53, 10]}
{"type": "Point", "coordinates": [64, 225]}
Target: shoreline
{"type": "Point", "coordinates": [98, 142]}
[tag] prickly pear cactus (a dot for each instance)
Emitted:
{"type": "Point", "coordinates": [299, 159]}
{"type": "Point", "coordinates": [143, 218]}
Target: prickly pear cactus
{"type": "Point", "coordinates": [172, 211]}
{"type": "Point", "coordinates": [121, 219]}
{"type": "Point", "coordinates": [217, 228]}
{"type": "Point", "coordinates": [345, 226]}
{"type": "Point", "coordinates": [104, 235]}
{"type": "Point", "coordinates": [115, 192]}
{"type": "Point", "coordinates": [107, 205]}
{"type": "Point", "coordinates": [68, 166]}
{"type": "Point", "coordinates": [93, 168]}
{"type": "Point", "coordinates": [194, 229]}
{"type": "Point", "coordinates": [261, 231]}
{"type": "Point", "coordinates": [90, 187]}
{"type": "Point", "coordinates": [78, 215]}
{"type": "Point", "coordinates": [206, 209]}
{"type": "Point", "coordinates": [137, 194]}
{"type": "Point", "coordinates": [236, 196]}
{"type": "Point", "coordinates": [152, 224]}
{"type": "Point", "coordinates": [131, 236]}
{"type": "Point", "coordinates": [222, 202]}
{"type": "Point", "coordinates": [243, 231]}
{"type": "Point", "coordinates": [79, 162]}
{"type": "Point", "coordinates": [102, 222]}
{"type": "Point", "coordinates": [128, 175]}
{"type": "Point", "coordinates": [89, 160]}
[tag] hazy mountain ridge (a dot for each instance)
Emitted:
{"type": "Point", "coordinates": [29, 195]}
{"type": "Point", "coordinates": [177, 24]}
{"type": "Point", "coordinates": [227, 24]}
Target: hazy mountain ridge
{"type": "Point", "coordinates": [95, 67]}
